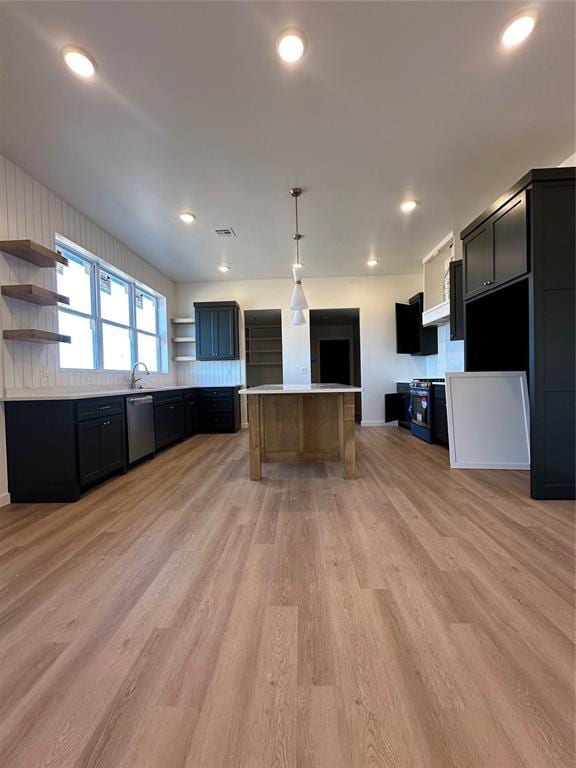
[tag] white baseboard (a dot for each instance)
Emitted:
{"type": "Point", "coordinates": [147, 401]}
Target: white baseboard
{"type": "Point", "coordinates": [377, 424]}
{"type": "Point", "coordinates": [4, 499]}
{"type": "Point", "coordinates": [244, 425]}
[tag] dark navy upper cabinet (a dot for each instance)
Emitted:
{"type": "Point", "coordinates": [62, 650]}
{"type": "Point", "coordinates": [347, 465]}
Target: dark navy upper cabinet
{"type": "Point", "coordinates": [411, 337]}
{"type": "Point", "coordinates": [217, 330]}
{"type": "Point", "coordinates": [496, 251]}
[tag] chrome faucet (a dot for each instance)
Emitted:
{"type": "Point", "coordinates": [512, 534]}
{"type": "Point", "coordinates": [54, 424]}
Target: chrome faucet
{"type": "Point", "coordinates": [134, 380]}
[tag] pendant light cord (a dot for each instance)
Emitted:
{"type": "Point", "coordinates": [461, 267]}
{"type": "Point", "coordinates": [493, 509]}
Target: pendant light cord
{"type": "Point", "coordinates": [297, 236]}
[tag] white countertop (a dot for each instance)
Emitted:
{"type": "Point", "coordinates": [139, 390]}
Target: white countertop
{"type": "Point", "coordinates": [298, 389]}
{"type": "Point", "coordinates": [85, 395]}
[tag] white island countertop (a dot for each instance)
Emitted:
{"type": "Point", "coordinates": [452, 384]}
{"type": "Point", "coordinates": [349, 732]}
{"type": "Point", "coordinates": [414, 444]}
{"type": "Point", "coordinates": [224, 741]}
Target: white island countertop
{"type": "Point", "coordinates": [299, 389]}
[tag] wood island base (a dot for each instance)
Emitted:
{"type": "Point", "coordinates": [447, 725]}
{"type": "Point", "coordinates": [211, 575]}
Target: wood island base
{"type": "Point", "coordinates": [302, 427]}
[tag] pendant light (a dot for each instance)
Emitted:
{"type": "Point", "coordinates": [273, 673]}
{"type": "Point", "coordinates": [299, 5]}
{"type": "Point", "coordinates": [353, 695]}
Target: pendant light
{"type": "Point", "coordinates": [298, 317]}
{"type": "Point", "coordinates": [298, 300]}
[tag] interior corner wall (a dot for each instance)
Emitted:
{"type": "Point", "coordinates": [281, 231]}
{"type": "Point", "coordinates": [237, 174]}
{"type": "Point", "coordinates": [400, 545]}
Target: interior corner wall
{"type": "Point", "coordinates": [30, 210]}
{"type": "Point", "coordinates": [375, 298]}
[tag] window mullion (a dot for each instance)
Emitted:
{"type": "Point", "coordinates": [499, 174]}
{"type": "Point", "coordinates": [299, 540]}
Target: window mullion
{"type": "Point", "coordinates": [98, 318]}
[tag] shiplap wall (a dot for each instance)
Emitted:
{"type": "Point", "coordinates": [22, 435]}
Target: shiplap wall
{"type": "Point", "coordinates": [30, 210]}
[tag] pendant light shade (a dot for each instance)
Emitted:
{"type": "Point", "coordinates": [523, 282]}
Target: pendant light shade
{"type": "Point", "coordinates": [298, 300]}
{"type": "Point", "coordinates": [298, 317]}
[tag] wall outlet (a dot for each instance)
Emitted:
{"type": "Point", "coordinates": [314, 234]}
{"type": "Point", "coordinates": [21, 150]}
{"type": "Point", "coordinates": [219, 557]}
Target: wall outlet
{"type": "Point", "coordinates": [303, 371]}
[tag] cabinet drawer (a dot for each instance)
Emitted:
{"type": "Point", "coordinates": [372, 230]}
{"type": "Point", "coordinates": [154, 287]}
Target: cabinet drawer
{"type": "Point", "coordinates": [172, 395]}
{"type": "Point", "coordinates": [103, 406]}
{"type": "Point", "coordinates": [216, 421]}
{"type": "Point", "coordinates": [216, 405]}
{"type": "Point", "coordinates": [216, 392]}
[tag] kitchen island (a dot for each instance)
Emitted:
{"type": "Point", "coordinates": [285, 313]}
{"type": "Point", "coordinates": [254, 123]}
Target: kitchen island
{"type": "Point", "coordinates": [308, 423]}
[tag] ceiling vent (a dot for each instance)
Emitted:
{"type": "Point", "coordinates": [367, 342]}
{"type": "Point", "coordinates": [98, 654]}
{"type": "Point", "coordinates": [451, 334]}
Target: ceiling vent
{"type": "Point", "coordinates": [224, 232]}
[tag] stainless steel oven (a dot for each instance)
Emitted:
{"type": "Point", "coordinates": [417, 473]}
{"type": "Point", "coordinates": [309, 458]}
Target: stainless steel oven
{"type": "Point", "coordinates": [421, 408]}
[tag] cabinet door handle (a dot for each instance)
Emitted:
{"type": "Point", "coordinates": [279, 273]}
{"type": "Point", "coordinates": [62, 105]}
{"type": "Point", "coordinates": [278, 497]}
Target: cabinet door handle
{"type": "Point", "coordinates": [488, 282]}
{"type": "Point", "coordinates": [104, 408]}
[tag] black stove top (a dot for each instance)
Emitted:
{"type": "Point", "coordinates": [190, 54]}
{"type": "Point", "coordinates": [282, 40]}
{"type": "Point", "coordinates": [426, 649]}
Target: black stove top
{"type": "Point", "coordinates": [425, 382]}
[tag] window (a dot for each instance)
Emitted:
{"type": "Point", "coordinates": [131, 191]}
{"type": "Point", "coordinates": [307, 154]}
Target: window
{"type": "Point", "coordinates": [112, 320]}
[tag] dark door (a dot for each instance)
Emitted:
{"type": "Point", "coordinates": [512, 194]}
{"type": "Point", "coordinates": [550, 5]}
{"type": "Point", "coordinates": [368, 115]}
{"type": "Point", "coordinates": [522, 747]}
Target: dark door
{"type": "Point", "coordinates": [90, 456]}
{"type": "Point", "coordinates": [456, 302]}
{"type": "Point", "coordinates": [168, 423]}
{"type": "Point", "coordinates": [478, 260]}
{"type": "Point", "coordinates": [205, 333]}
{"type": "Point", "coordinates": [190, 415]}
{"type": "Point", "coordinates": [112, 440]}
{"type": "Point", "coordinates": [440, 415]}
{"type": "Point", "coordinates": [509, 236]}
{"type": "Point", "coordinates": [404, 329]}
{"type": "Point", "coordinates": [224, 332]}
{"type": "Point", "coordinates": [393, 407]}
{"type": "Point", "coordinates": [335, 361]}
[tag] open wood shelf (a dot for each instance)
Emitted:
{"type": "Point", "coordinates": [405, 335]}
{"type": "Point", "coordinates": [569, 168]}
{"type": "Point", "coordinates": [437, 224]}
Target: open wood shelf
{"type": "Point", "coordinates": [184, 340]}
{"type": "Point", "coordinates": [35, 335]}
{"type": "Point", "coordinates": [183, 321]}
{"type": "Point", "coordinates": [35, 295]}
{"type": "Point", "coordinates": [33, 252]}
{"type": "Point", "coordinates": [183, 359]}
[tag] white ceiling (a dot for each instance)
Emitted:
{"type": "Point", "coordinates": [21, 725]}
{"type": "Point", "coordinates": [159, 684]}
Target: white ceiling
{"type": "Point", "coordinates": [192, 109]}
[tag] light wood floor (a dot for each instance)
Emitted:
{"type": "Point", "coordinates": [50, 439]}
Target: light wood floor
{"type": "Point", "coordinates": [182, 616]}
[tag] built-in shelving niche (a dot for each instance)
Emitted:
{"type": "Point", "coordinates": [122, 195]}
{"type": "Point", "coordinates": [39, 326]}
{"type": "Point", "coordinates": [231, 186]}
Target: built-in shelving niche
{"type": "Point", "coordinates": [263, 334]}
{"type": "Point", "coordinates": [186, 343]}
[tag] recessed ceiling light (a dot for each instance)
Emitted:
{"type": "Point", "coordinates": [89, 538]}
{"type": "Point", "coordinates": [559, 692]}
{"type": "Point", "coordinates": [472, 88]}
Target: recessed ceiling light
{"type": "Point", "coordinates": [519, 28]}
{"type": "Point", "coordinates": [224, 268]}
{"type": "Point", "coordinates": [372, 262]}
{"type": "Point", "coordinates": [80, 62]}
{"type": "Point", "coordinates": [290, 46]}
{"type": "Point", "coordinates": [187, 217]}
{"type": "Point", "coordinates": [408, 205]}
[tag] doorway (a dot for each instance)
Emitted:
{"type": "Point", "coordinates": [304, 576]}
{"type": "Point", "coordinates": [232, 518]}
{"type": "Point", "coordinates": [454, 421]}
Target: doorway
{"type": "Point", "coordinates": [335, 349]}
{"type": "Point", "coordinates": [334, 361]}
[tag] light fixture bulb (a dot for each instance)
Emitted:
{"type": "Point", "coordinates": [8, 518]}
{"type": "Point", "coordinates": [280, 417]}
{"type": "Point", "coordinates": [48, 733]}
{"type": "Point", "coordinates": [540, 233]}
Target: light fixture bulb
{"type": "Point", "coordinates": [372, 262]}
{"type": "Point", "coordinates": [518, 29]}
{"type": "Point", "coordinates": [298, 317]}
{"type": "Point", "coordinates": [408, 206]}
{"type": "Point", "coordinates": [290, 46]}
{"type": "Point", "coordinates": [296, 265]}
{"type": "Point", "coordinates": [224, 268]}
{"type": "Point", "coordinates": [187, 217]}
{"type": "Point", "coordinates": [80, 62]}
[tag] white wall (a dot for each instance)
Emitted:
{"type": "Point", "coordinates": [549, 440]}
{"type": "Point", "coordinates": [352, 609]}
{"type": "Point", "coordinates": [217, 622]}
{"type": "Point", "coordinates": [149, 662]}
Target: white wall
{"type": "Point", "coordinates": [30, 210]}
{"type": "Point", "coordinates": [373, 296]}
{"type": "Point", "coordinates": [450, 355]}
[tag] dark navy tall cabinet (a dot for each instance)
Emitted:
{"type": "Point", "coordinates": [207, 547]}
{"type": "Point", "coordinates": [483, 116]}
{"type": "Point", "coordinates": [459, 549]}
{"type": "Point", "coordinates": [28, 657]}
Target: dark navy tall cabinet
{"type": "Point", "coordinates": [518, 264]}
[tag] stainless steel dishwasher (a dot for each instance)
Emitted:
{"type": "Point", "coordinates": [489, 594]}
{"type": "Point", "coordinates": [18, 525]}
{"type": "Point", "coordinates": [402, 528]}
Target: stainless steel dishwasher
{"type": "Point", "coordinates": [140, 418]}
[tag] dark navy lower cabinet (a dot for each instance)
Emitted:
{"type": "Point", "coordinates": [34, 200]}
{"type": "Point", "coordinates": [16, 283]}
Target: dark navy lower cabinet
{"type": "Point", "coordinates": [56, 448]}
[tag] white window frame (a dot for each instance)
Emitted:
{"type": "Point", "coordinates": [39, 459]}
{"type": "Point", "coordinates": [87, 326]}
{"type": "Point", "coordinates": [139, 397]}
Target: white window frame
{"type": "Point", "coordinates": [97, 266]}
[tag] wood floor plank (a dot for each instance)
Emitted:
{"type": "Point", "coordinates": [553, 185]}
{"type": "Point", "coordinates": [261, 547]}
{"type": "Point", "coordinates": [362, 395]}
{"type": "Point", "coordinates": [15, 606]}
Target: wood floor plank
{"type": "Point", "coordinates": [181, 616]}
